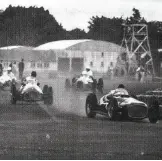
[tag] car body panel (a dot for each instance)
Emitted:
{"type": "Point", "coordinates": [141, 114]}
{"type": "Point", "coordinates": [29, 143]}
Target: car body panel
{"type": "Point", "coordinates": [136, 109]}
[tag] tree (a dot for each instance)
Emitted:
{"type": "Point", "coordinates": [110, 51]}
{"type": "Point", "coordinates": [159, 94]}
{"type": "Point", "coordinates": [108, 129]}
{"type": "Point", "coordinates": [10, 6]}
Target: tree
{"type": "Point", "coordinates": [77, 34]}
{"type": "Point", "coordinates": [135, 18]}
{"type": "Point", "coordinates": [107, 29]}
{"type": "Point", "coordinates": [155, 34]}
{"type": "Point", "coordinates": [28, 26]}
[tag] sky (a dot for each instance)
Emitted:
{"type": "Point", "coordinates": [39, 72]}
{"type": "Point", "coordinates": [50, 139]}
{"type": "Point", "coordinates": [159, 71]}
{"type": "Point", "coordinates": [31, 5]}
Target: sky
{"type": "Point", "coordinates": [77, 13]}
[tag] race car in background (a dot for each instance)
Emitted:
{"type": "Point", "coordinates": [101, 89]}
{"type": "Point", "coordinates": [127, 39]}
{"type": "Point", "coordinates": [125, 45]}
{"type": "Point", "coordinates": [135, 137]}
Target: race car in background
{"type": "Point", "coordinates": [32, 94]}
{"type": "Point", "coordinates": [84, 84]}
{"type": "Point", "coordinates": [123, 107]}
{"type": "Point", "coordinates": [7, 78]}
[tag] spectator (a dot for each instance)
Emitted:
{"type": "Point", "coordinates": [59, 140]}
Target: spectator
{"type": "Point", "coordinates": [140, 73]}
{"type": "Point", "coordinates": [10, 65]}
{"type": "Point", "coordinates": [109, 73]}
{"type": "Point", "coordinates": [1, 67]}
{"type": "Point", "coordinates": [111, 70]}
{"type": "Point", "coordinates": [15, 69]}
{"type": "Point", "coordinates": [21, 68]}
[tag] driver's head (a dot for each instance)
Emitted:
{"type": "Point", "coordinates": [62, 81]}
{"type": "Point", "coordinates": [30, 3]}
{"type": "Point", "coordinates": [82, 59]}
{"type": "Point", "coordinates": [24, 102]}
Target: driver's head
{"type": "Point", "coordinates": [33, 74]}
{"type": "Point", "coordinates": [87, 68]}
{"type": "Point", "coordinates": [121, 86]}
{"type": "Point", "coordinates": [9, 69]}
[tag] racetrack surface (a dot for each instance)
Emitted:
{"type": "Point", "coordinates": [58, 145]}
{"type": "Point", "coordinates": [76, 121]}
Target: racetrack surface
{"type": "Point", "coordinates": [62, 131]}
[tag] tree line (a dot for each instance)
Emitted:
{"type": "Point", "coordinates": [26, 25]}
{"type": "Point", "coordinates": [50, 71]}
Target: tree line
{"type": "Point", "coordinates": [34, 26]}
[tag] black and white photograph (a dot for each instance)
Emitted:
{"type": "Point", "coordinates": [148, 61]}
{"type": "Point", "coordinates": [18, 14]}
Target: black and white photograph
{"type": "Point", "coordinates": [81, 80]}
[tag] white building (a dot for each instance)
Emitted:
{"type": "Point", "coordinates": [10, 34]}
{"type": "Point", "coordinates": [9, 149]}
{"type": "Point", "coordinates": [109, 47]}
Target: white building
{"type": "Point", "coordinates": [75, 55]}
{"type": "Point", "coordinates": [34, 60]}
{"type": "Point", "coordinates": [65, 55]}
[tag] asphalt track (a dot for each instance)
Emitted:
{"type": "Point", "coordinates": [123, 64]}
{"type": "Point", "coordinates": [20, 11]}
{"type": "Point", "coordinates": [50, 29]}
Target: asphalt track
{"type": "Point", "coordinates": [62, 131]}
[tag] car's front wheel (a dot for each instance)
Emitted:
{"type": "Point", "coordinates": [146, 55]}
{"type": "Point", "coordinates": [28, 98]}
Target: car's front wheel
{"type": "Point", "coordinates": [112, 109]}
{"type": "Point", "coordinates": [91, 102]}
{"type": "Point", "coordinates": [67, 84]}
{"type": "Point", "coordinates": [100, 85]}
{"type": "Point", "coordinates": [153, 112]}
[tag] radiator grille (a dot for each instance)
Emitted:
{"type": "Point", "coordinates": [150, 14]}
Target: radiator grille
{"type": "Point", "coordinates": [137, 111]}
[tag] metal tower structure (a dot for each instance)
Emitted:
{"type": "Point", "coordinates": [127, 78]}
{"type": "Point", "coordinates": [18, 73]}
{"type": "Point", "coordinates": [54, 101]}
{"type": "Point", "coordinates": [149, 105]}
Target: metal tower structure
{"type": "Point", "coordinates": [136, 43]}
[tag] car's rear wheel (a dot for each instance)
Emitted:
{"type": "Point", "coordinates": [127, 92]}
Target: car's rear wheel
{"type": "Point", "coordinates": [50, 95]}
{"type": "Point", "coordinates": [153, 112]}
{"type": "Point", "coordinates": [91, 103]}
{"type": "Point", "coordinates": [79, 85]}
{"type": "Point", "coordinates": [73, 81]}
{"type": "Point", "coordinates": [45, 94]}
{"type": "Point", "coordinates": [67, 83]}
{"type": "Point", "coordinates": [112, 109]}
{"type": "Point", "coordinates": [100, 85]}
{"type": "Point", "coordinates": [94, 85]}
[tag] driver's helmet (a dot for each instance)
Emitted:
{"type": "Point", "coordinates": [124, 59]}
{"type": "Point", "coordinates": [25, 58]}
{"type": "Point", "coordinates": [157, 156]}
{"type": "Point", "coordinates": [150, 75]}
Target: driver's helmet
{"type": "Point", "coordinates": [88, 68]}
{"type": "Point", "coordinates": [121, 86]}
{"type": "Point", "coordinates": [34, 74]}
{"type": "Point", "coordinates": [9, 69]}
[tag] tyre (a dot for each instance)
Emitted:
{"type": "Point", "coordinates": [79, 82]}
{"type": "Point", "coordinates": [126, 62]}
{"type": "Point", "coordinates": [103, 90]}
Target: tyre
{"type": "Point", "coordinates": [100, 82]}
{"type": "Point", "coordinates": [153, 112]}
{"type": "Point", "coordinates": [91, 103]}
{"type": "Point", "coordinates": [94, 85]}
{"type": "Point", "coordinates": [67, 83]}
{"type": "Point", "coordinates": [13, 94]}
{"type": "Point", "coordinates": [73, 80]}
{"type": "Point", "coordinates": [124, 115]}
{"type": "Point", "coordinates": [45, 94]}
{"type": "Point", "coordinates": [112, 109]}
{"type": "Point", "coordinates": [100, 85]}
{"type": "Point", "coordinates": [45, 89]}
{"type": "Point", "coordinates": [50, 95]}
{"type": "Point", "coordinates": [79, 85]}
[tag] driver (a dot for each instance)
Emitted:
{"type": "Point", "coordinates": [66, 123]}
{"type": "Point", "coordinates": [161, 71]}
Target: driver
{"type": "Point", "coordinates": [119, 91]}
{"type": "Point", "coordinates": [89, 71]}
{"type": "Point", "coordinates": [7, 76]}
{"type": "Point", "coordinates": [85, 78]}
{"type": "Point", "coordinates": [30, 82]}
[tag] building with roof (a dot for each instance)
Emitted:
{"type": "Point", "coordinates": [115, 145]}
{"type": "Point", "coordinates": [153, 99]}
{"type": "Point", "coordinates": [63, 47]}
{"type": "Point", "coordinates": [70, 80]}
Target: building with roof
{"type": "Point", "coordinates": [34, 60]}
{"type": "Point", "coordinates": [65, 55]}
{"type": "Point", "coordinates": [77, 54]}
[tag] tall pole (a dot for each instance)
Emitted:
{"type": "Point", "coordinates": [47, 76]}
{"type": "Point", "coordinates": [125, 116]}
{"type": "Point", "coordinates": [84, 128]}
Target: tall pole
{"type": "Point", "coordinates": [136, 42]}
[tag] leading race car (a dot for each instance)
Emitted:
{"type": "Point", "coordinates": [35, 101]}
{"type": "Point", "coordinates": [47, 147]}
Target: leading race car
{"type": "Point", "coordinates": [123, 107]}
{"type": "Point", "coordinates": [32, 94]}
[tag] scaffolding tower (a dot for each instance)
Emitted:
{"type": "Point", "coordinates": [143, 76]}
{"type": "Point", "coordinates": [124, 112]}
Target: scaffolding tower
{"type": "Point", "coordinates": [136, 43]}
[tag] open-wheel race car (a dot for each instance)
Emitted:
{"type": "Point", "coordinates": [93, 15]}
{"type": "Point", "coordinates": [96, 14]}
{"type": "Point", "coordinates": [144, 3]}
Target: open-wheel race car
{"type": "Point", "coordinates": [78, 84]}
{"type": "Point", "coordinates": [122, 107]}
{"type": "Point", "coordinates": [6, 81]}
{"type": "Point", "coordinates": [5, 84]}
{"type": "Point", "coordinates": [32, 95]}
